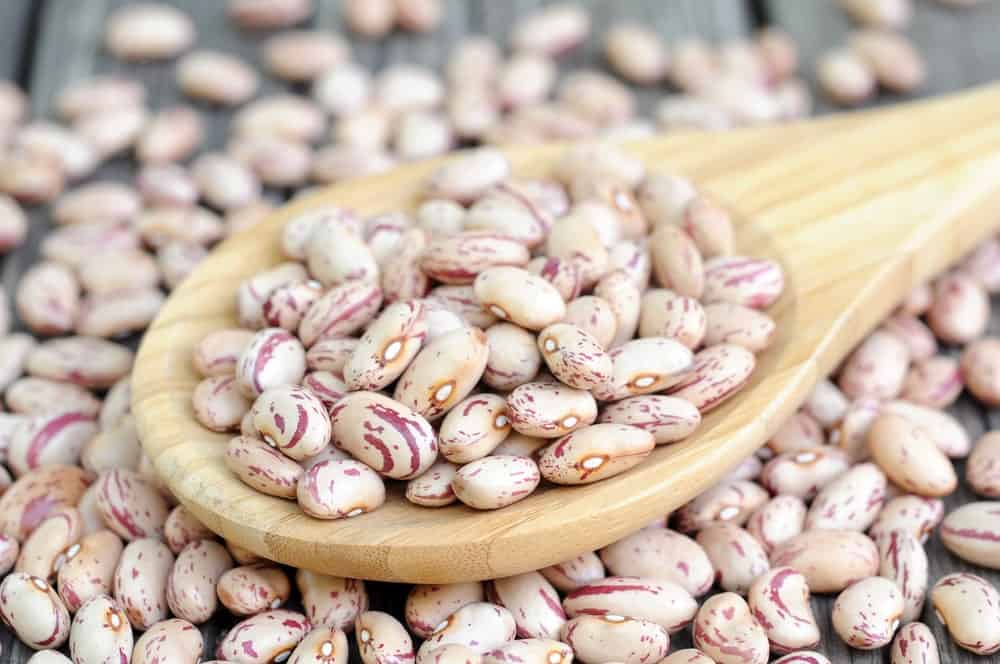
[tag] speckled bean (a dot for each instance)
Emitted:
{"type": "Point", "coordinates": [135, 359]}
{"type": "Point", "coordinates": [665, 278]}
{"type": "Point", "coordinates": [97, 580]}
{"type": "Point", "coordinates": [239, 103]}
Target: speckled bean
{"type": "Point", "coordinates": [574, 573]}
{"type": "Point", "coordinates": [642, 366]}
{"type": "Point", "coordinates": [433, 487]}
{"type": "Point", "coordinates": [331, 354]}
{"type": "Point", "coordinates": [777, 521]}
{"type": "Point", "coordinates": [574, 238]}
{"type": "Point", "coordinates": [262, 467]}
{"type": "Point", "coordinates": [980, 369]}
{"type": "Point", "coordinates": [960, 309]}
{"type": "Point", "coordinates": [474, 428]}
{"type": "Point", "coordinates": [751, 282]}
{"type": "Point", "coordinates": [191, 585]}
{"type": "Point", "coordinates": [517, 295]}
{"type": "Point", "coordinates": [458, 259]}
{"type": "Point", "coordinates": [264, 637]}
{"type": "Point", "coordinates": [131, 506]}
{"type": "Point", "coordinates": [549, 409]}
{"type": "Point", "coordinates": [427, 606]}
{"type": "Point", "coordinates": [293, 420]}
{"type": "Point", "coordinates": [48, 439]}
{"type": "Point", "coordinates": [273, 359]}
{"type": "Point", "coordinates": [444, 372]}
{"type": "Point", "coordinates": [513, 357]}
{"type": "Point", "coordinates": [551, 30]}
{"type": "Point", "coordinates": [321, 495]}
{"type": "Point", "coordinates": [727, 631]}
{"type": "Point", "coordinates": [84, 361]}
{"type": "Point", "coordinates": [219, 404]}
{"type": "Point", "coordinates": [216, 77]}
{"type": "Point", "coordinates": [342, 311]}
{"type": "Point", "coordinates": [33, 611]}
{"type": "Point", "coordinates": [38, 493]}
{"type": "Point", "coordinates": [738, 558]}
{"type": "Point", "coordinates": [595, 316]}
{"type": "Point", "coordinates": [42, 551]}
{"type": "Point", "coordinates": [661, 553]}
{"type": "Point", "coordinates": [669, 419]}
{"type": "Point", "coordinates": [148, 31]}
{"type": "Point", "coordinates": [876, 368]}
{"type": "Point", "coordinates": [655, 600]}
{"type": "Point", "coordinates": [88, 568]}
{"type": "Point", "coordinates": [387, 347]}
{"type": "Point", "coordinates": [594, 453]}
{"type": "Point", "coordinates": [9, 551]}
{"type": "Point", "coordinates": [966, 605]}
{"type": "Point", "coordinates": [615, 638]}
{"type": "Point", "coordinates": [334, 257]}
{"type": "Point", "coordinates": [934, 382]}
{"type": "Point", "coordinates": [182, 527]}
{"type": "Point", "coordinates": [982, 470]}
{"type": "Point", "coordinates": [851, 501]}
{"type": "Point", "coordinates": [495, 481]}
{"type": "Point", "coordinates": [829, 559]}
{"type": "Point", "coordinates": [688, 656]}
{"type": "Point", "coordinates": [902, 559]}
{"type": "Point", "coordinates": [48, 298]}
{"type": "Point", "coordinates": [916, 515]}
{"type": "Point", "coordinates": [800, 432]}
{"type": "Point", "coordinates": [733, 501]}
{"type": "Point", "coordinates": [914, 644]}
{"type": "Point", "coordinates": [779, 600]}
{"type": "Point", "coordinates": [533, 603]}
{"type": "Point", "coordinates": [909, 457]}
{"type": "Point", "coordinates": [717, 373]}
{"type": "Point", "coordinates": [101, 633]}
{"type": "Point", "coordinates": [161, 225]}
{"type": "Point", "coordinates": [972, 532]}
{"type": "Point", "coordinates": [867, 613]}
{"type": "Point", "coordinates": [253, 589]}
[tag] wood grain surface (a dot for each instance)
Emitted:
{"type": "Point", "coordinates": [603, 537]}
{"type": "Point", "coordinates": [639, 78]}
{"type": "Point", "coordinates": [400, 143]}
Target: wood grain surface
{"type": "Point", "coordinates": [47, 43]}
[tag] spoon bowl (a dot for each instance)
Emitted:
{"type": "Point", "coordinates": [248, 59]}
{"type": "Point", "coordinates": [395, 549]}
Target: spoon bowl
{"type": "Point", "coordinates": [858, 209]}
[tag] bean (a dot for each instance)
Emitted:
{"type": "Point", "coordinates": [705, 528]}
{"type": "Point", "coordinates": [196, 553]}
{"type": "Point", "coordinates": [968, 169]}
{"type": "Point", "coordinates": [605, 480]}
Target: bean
{"type": "Point", "coordinates": [595, 316]}
{"type": "Point", "coordinates": [273, 359]}
{"type": "Point", "coordinates": [736, 555]}
{"type": "Point", "coordinates": [727, 323]}
{"type": "Point", "coordinates": [268, 14]}
{"type": "Point", "coordinates": [981, 265]}
{"type": "Point", "coordinates": [72, 244]}
{"type": "Point", "coordinates": [13, 224]}
{"type": "Point", "coordinates": [525, 79]}
{"type": "Point", "coordinates": [302, 55]}
{"type": "Point", "coordinates": [443, 373]}
{"type": "Point", "coordinates": [688, 656]}
{"type": "Point", "coordinates": [594, 453]}
{"type": "Point", "coordinates": [866, 614]}
{"type": "Point", "coordinates": [532, 601]}
{"type": "Point", "coordinates": [100, 632]}
{"type": "Point", "coordinates": [331, 354]}
{"type": "Point", "coordinates": [661, 554]}
{"type": "Point", "coordinates": [433, 487]}
{"type": "Point", "coordinates": [914, 643]}
{"type": "Point", "coordinates": [358, 490]}
{"type": "Point", "coordinates": [65, 147]}
{"type": "Point", "coordinates": [537, 651]}
{"type": "Point", "coordinates": [978, 363]}
{"type": "Point", "coordinates": [131, 506]}
{"type": "Point", "coordinates": [916, 515]}
{"type": "Point", "coordinates": [332, 601]}
{"type": "Point", "coordinates": [148, 31]}
{"type": "Point", "coordinates": [458, 259]}
{"type": "Point", "coordinates": [387, 347]}
{"type": "Point", "coordinates": [191, 586]}
{"type": "Point", "coordinates": [495, 481]}
{"type": "Point", "coordinates": [166, 185]}
{"type": "Point", "coordinates": [966, 605]}
{"type": "Point", "coordinates": [218, 353]}
{"type": "Point", "coordinates": [727, 631]}
{"type": "Point", "coordinates": [910, 458]}
{"type": "Point", "coordinates": [37, 494]}
{"type": "Point", "coordinates": [170, 136]}
{"type": "Point", "coordinates": [959, 310]}
{"type": "Point", "coordinates": [636, 53]}
{"type": "Point", "coordinates": [97, 94]}
{"type": "Point", "coordinates": [9, 551]}
{"type": "Point", "coordinates": [48, 298]}
{"type": "Point", "coordinates": [322, 644]}
{"type": "Point", "coordinates": [754, 283]}
{"type": "Point", "coordinates": [970, 532]}
{"type": "Point", "coordinates": [111, 132]}
{"type": "Point", "coordinates": [732, 501]}
{"type": "Point", "coordinates": [629, 256]}
{"type": "Point", "coordinates": [88, 568]}
{"type": "Point", "coordinates": [549, 410]}
{"type": "Point", "coordinates": [130, 274]}
{"type": "Point", "coordinates": [912, 332]}
{"type": "Point", "coordinates": [947, 433]}
{"type": "Point", "coordinates": [718, 372]}
{"type": "Point", "coordinates": [99, 200]}
{"type": "Point", "coordinates": [851, 501]}
{"type": "Point", "coordinates": [159, 226]}
{"type": "Point", "coordinates": [262, 467]}
{"type": "Point", "coordinates": [982, 471]}
{"type": "Point", "coordinates": [33, 611]}
{"type": "Point", "coordinates": [402, 278]}
{"type": "Point", "coordinates": [293, 420]}
{"type": "Point", "coordinates": [851, 433]}
{"type": "Point", "coordinates": [428, 606]}
{"type": "Point", "coordinates": [370, 19]}
{"type": "Point", "coordinates": [474, 428]}
{"type": "Point", "coordinates": [42, 551]}
{"type": "Point", "coordinates": [241, 555]}
{"type": "Point", "coordinates": [49, 438]}
{"type": "Point", "coordinates": [646, 365]}
{"type": "Point", "coordinates": [224, 182]}
{"type": "Point", "coordinates": [216, 77]}
{"type": "Point", "coordinates": [677, 263]}
{"type": "Point", "coordinates": [459, 300]}
{"type": "Point", "coordinates": [904, 561]}
{"type": "Point", "coordinates": [342, 311]}
{"type": "Point", "coordinates": [573, 238]}
{"type": "Point", "coordinates": [658, 601]}
{"type": "Point", "coordinates": [613, 637]}
{"type": "Point", "coordinates": [876, 368]}
{"type": "Point", "coordinates": [669, 419]}
{"type": "Point", "coordinates": [169, 640]}
{"type": "Point", "coordinates": [934, 382]}
{"type": "Point", "coordinates": [779, 600]}
{"type": "Point", "coordinates": [328, 387]}
{"type": "Point", "coordinates": [826, 404]}
{"type": "Point", "coordinates": [469, 177]}
{"type": "Point", "coordinates": [891, 14]}
{"type": "Point", "coordinates": [896, 64]}
{"type": "Point", "coordinates": [31, 177]}
{"type": "Point", "coordinates": [405, 87]}
{"type": "Point", "coordinates": [253, 589]}
{"type": "Point", "coordinates": [803, 657]}
{"type": "Point", "coordinates": [342, 89]}
{"type": "Point", "coordinates": [269, 635]}
{"type": "Point", "coordinates": [513, 357]}
{"type": "Point", "coordinates": [577, 572]}
{"type": "Point", "coordinates": [182, 528]}
{"type": "Point", "coordinates": [845, 77]}
{"type": "Point", "coordinates": [829, 559]}
{"type": "Point", "coordinates": [799, 433]}
{"type": "Point", "coordinates": [219, 404]}
{"type": "Point", "coordinates": [777, 521]}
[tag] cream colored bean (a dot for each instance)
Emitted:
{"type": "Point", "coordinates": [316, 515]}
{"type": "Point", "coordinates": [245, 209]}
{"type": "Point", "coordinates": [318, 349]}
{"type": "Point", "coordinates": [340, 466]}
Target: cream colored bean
{"type": "Point", "coordinates": [731, 501]}
{"type": "Point", "coordinates": [960, 309]}
{"type": "Point", "coordinates": [33, 611]}
{"type": "Point", "coordinates": [513, 358]}
{"type": "Point", "coordinates": [850, 502]}
{"type": "Point", "coordinates": [38, 493]}
{"type": "Point", "coordinates": [322, 644]}
{"type": "Point", "coordinates": [851, 433]}
{"type": "Point", "coordinates": [268, 14]}
{"type": "Point", "coordinates": [100, 632]}
{"type": "Point", "coordinates": [122, 273]}
{"type": "Point", "coordinates": [552, 30]}
{"type": "Point", "coordinates": [117, 446]}
{"type": "Point", "coordinates": [131, 506]}
{"type": "Point", "coordinates": [42, 552]}
{"type": "Point", "coordinates": [293, 420]}
{"type": "Point", "coordinates": [171, 135]}
{"type": "Point", "coordinates": [738, 558]}
{"type": "Point", "coordinates": [972, 532]}
{"type": "Point", "coordinates": [826, 404]}
{"type": "Point", "coordinates": [36, 396]}
{"type": "Point", "coordinates": [273, 359]}
{"type": "Point", "coordinates": [111, 132]}
{"type": "Point", "coordinates": [342, 89]}
{"type": "Point", "coordinates": [262, 467]}
{"type": "Point", "coordinates": [896, 63]}
{"type": "Point", "coordinates": [717, 373]}
{"type": "Point", "coordinates": [597, 97]}
{"type": "Point", "coordinates": [402, 278]}
{"type": "Point", "coordinates": [909, 457]}
{"type": "Point", "coordinates": [458, 259]}
{"type": "Point", "coordinates": [688, 656]}
{"type": "Point", "coordinates": [444, 372]}
{"type": "Point", "coordinates": [867, 614]}
{"type": "Point", "coordinates": [914, 644]}
{"type": "Point", "coordinates": [526, 79]}
{"type": "Point", "coordinates": [549, 410]}
{"type": "Point", "coordinates": [655, 600]}
{"type": "Point", "coordinates": [253, 589]}
{"type": "Point", "coordinates": [746, 281]}
{"type": "Point", "coordinates": [594, 453]}
{"type": "Point", "coordinates": [48, 298]}
{"type": "Point", "coordinates": [661, 554]}
{"type": "Point", "coordinates": [916, 515]}
{"type": "Point", "coordinates": [49, 439]}
{"type": "Point", "coordinates": [120, 313]}
{"type": "Point", "coordinates": [334, 258]}
{"type": "Point", "coordinates": [577, 572]}
{"type": "Point", "coordinates": [219, 404]}
{"type": "Point", "coordinates": [182, 527]}
{"type": "Point", "coordinates": [981, 265]}
{"type": "Point", "coordinates": [160, 225]}
{"type": "Point", "coordinates": [804, 473]}
{"type": "Point", "coordinates": [191, 586]}
{"type": "Point", "coordinates": [342, 311]}
{"type": "Point", "coordinates": [71, 245]}
{"type": "Point", "coordinates": [876, 368]}
{"type": "Point", "coordinates": [14, 351]}
{"type": "Point", "coordinates": [728, 323]}
{"type": "Point", "coordinates": [148, 31]}
{"type": "Point", "coordinates": [980, 371]}
{"type": "Point", "coordinates": [966, 605]}
{"type": "Point", "coordinates": [982, 471]}
{"type": "Point", "coordinates": [433, 487]}
{"type": "Point", "coordinates": [574, 238]}
{"type": "Point", "coordinates": [632, 258]}
{"type": "Point", "coordinates": [427, 606]}
{"type": "Point", "coordinates": [55, 146]}
{"type": "Point", "coordinates": [726, 631]}
{"type": "Point", "coordinates": [615, 638]}
{"type": "Point", "coordinates": [845, 77]}
{"type": "Point", "coordinates": [384, 232]}
{"type": "Point", "coordinates": [383, 433]}
{"type": "Point", "coordinates": [331, 354]}
{"type": "Point", "coordinates": [99, 200]}
{"type": "Point", "coordinates": [709, 225]}
{"type": "Point", "coordinates": [169, 641]}
{"type": "Point", "coordinates": [264, 637]}
{"type": "Point", "coordinates": [669, 419]}
{"type": "Point", "coordinates": [358, 489]}
{"type": "Point", "coordinates": [777, 521]}
{"type": "Point", "coordinates": [275, 160]}
{"type": "Point", "coordinates": [779, 600]}
{"type": "Point", "coordinates": [479, 626]}
{"type": "Point", "coordinates": [800, 432]}
{"type": "Point", "coordinates": [381, 638]}
{"type": "Point", "coordinates": [302, 55]}
{"type": "Point", "coordinates": [328, 387]}
{"type": "Point", "coordinates": [533, 603]}
{"type": "Point", "coordinates": [934, 382]}
{"type": "Point", "coordinates": [474, 428]}
{"type": "Point", "coordinates": [388, 346]}
{"type": "Point", "coordinates": [636, 53]}
{"type": "Point", "coordinates": [664, 198]}
{"type": "Point", "coordinates": [166, 185]}
{"type": "Point", "coordinates": [224, 182]}
{"type": "Point", "coordinates": [677, 263]}
{"type": "Point", "coordinates": [646, 365]}
{"type": "Point", "coordinates": [830, 560]}
{"type": "Point", "coordinates": [468, 178]}
{"type": "Point", "coordinates": [460, 300]}
{"type": "Point", "coordinates": [216, 77]}
{"type": "Point", "coordinates": [49, 657]}
{"type": "Point", "coordinates": [943, 428]}
{"type": "Point", "coordinates": [495, 481]}
{"type": "Point", "coordinates": [99, 93]}
{"type": "Point", "coordinates": [88, 568]}
{"type": "Point", "coordinates": [218, 353]}
{"type": "Point", "coordinates": [911, 331]}
{"type": "Point", "coordinates": [332, 601]}
{"type": "Point", "coordinates": [667, 314]}
{"type": "Point", "coordinates": [902, 559]}
{"type": "Point", "coordinates": [299, 230]}
{"type": "Point", "coordinates": [10, 549]}
{"type": "Point", "coordinates": [34, 177]}
{"type": "Point", "coordinates": [531, 651]}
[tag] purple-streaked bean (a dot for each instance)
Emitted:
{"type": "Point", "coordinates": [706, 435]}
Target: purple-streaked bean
{"type": "Point", "coordinates": [468, 177]}
{"type": "Point", "coordinates": [460, 300]}
{"type": "Point", "coordinates": [264, 637]}
{"type": "Point", "coordinates": [972, 532]}
{"type": "Point", "coordinates": [387, 347]}
{"type": "Point", "coordinates": [193, 578]}
{"type": "Point", "coordinates": [166, 185]}
{"type": "Point", "coordinates": [480, 626]}
{"type": "Point", "coordinates": [890, 14]}
{"type": "Point", "coordinates": [830, 560]}
{"type": "Point", "coordinates": [50, 438]}
{"type": "Point", "coordinates": [224, 182]}
{"type": "Point", "coordinates": [10, 549]}
{"type": "Point", "coordinates": [525, 79]}
{"type": "Point", "coordinates": [661, 553]}
{"type": "Point", "coordinates": [689, 656]}
{"type": "Point", "coordinates": [273, 359]}
{"type": "Point", "coordinates": [253, 589]}
{"type": "Point", "coordinates": [287, 116]}
{"type": "Point", "coordinates": [736, 324]}
{"type": "Point", "coordinates": [678, 317]}
{"type": "Point", "coordinates": [160, 225]}
{"type": "Point", "coordinates": [71, 245]}
{"type": "Point", "coordinates": [609, 206]}
{"type": "Point", "coordinates": [297, 232]}
{"type": "Point", "coordinates": [31, 177]}
{"type": "Point", "coordinates": [13, 224]}
{"type": "Point", "coordinates": [738, 558]}
{"type": "Point", "coordinates": [33, 611]}
{"type": "Point", "coordinates": [550, 410]}
{"type": "Point", "coordinates": [826, 403]}
{"type": "Point", "coordinates": [747, 469]}
{"type": "Point", "coordinates": [655, 600]}
{"type": "Point", "coordinates": [567, 576]}
{"type": "Point", "coordinates": [117, 272]}
{"type": "Point", "coordinates": [960, 309]}
{"type": "Point", "coordinates": [182, 527]}
{"type": "Point", "coordinates": [454, 653]}
{"type": "Point", "coordinates": [495, 481]}
{"type": "Point", "coordinates": [473, 58]}
{"type": "Point", "coordinates": [340, 489]}
{"type": "Point", "coordinates": [427, 606]}
{"type": "Point", "coordinates": [323, 644]}
{"type": "Point", "coordinates": [384, 434]}
{"type": "Point", "coordinates": [100, 93]}
{"type": "Point", "coordinates": [336, 258]}
{"type": "Point", "coordinates": [383, 233]}
{"type": "Point", "coordinates": [726, 630]}
{"type": "Point", "coordinates": [867, 613]}
{"type": "Point", "coordinates": [733, 501]}
{"type": "Point", "coordinates": [981, 264]}
{"type": "Point", "coordinates": [342, 89]}
{"type": "Point", "coordinates": [302, 55]}
{"type": "Point", "coordinates": [444, 372]}
{"type": "Point", "coordinates": [779, 600]}
{"type": "Point", "coordinates": [902, 559]}
{"type": "Point", "coordinates": [59, 147]}
{"type": "Point", "coordinates": [440, 217]}
{"type": "Point", "coordinates": [910, 458]}
{"type": "Point", "coordinates": [37, 494]}
{"type": "Point", "coordinates": [99, 200]}
{"type": "Point", "coordinates": [553, 30]}
{"type": "Point", "coordinates": [326, 386]}
{"type": "Point", "coordinates": [845, 77]}
{"type": "Point", "coordinates": [709, 225]}
{"type": "Point", "coordinates": [171, 135]}
{"type": "Point", "coordinates": [911, 331]}
{"type": "Point", "coordinates": [966, 605]}
{"type": "Point", "coordinates": [474, 428]}
{"type": "Point", "coordinates": [669, 419]}
{"type": "Point", "coordinates": [677, 263]}
{"type": "Point", "coordinates": [359, 138]}
{"type": "Point", "coordinates": [851, 433]}
{"type": "Point", "coordinates": [331, 354]}
{"type": "Point", "coordinates": [803, 473]}
{"type": "Point", "coordinates": [218, 353]}
{"type": "Point", "coordinates": [751, 282]}
{"type": "Point", "coordinates": [876, 368]}
{"type": "Point", "coordinates": [42, 551]}
{"type": "Point", "coordinates": [401, 278]}
{"type": "Point", "coordinates": [851, 501]}
{"type": "Point", "coordinates": [293, 420]}
{"type": "Point", "coordinates": [943, 428]}
{"type": "Point", "coordinates": [982, 471]}
{"type": "Point", "coordinates": [513, 357]}
{"type": "Point", "coordinates": [594, 453]}
{"type": "Point", "coordinates": [36, 396]}
{"type": "Point", "coordinates": [262, 467]}
{"type": "Point", "coordinates": [342, 311]}
{"type": "Point", "coordinates": [636, 53]}
{"type": "Point", "coordinates": [616, 638]}
{"type": "Point", "coordinates": [914, 644]}
{"type": "Point", "coordinates": [119, 313]}
{"type": "Point", "coordinates": [111, 132]}
{"type": "Point", "coordinates": [48, 298]}
{"type": "Point", "coordinates": [595, 316]}
{"type": "Point", "coordinates": [101, 633]}
{"type": "Point", "coordinates": [897, 65]}
{"type": "Point", "coordinates": [979, 364]}
{"type": "Point", "coordinates": [88, 568]}
{"type": "Point", "coordinates": [140, 582]}
{"type": "Point", "coordinates": [406, 87]}
{"type": "Point", "coordinates": [916, 515]}
{"type": "Point", "coordinates": [632, 258]}
{"type": "Point", "coordinates": [718, 372]}
{"type": "Point", "coordinates": [665, 197]}
{"type": "Point", "coordinates": [530, 651]}
{"type": "Point", "coordinates": [799, 432]}
{"type": "Point", "coordinates": [574, 238]}
{"type": "Point", "coordinates": [219, 404]}
{"type": "Point", "coordinates": [132, 507]}
{"type": "Point", "coordinates": [148, 31]}
{"type": "Point", "coordinates": [216, 77]}
{"type": "Point", "coordinates": [596, 97]}
{"type": "Point", "coordinates": [332, 601]}
{"type": "Point", "coordinates": [418, 15]}
{"type": "Point", "coordinates": [507, 211]}
{"type": "Point", "coordinates": [533, 603]}
{"type": "Point", "coordinates": [934, 382]}
{"type": "Point", "coordinates": [433, 488]}
{"type": "Point", "coordinates": [645, 365]}
{"type": "Point", "coordinates": [458, 259]}
{"type": "Point", "coordinates": [173, 640]}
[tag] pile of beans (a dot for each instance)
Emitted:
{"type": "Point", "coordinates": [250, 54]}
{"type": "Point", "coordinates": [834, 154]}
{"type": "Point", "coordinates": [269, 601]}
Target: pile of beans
{"type": "Point", "coordinates": [96, 558]}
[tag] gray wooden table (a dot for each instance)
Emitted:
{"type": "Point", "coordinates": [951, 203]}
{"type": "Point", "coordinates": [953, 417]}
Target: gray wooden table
{"type": "Point", "coordinates": [46, 44]}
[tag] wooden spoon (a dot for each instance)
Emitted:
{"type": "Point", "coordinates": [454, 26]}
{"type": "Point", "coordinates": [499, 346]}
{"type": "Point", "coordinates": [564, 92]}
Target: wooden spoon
{"type": "Point", "coordinates": [858, 208]}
